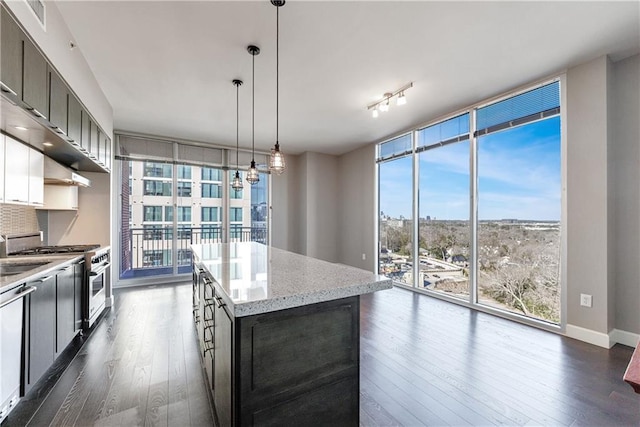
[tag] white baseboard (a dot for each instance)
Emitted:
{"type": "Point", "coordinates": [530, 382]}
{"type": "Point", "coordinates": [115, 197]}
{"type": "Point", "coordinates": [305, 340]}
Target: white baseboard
{"type": "Point", "coordinates": [623, 337]}
{"type": "Point", "coordinates": [587, 335]}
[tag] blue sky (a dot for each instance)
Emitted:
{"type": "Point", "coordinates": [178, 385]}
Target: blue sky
{"type": "Point", "coordinates": [518, 177]}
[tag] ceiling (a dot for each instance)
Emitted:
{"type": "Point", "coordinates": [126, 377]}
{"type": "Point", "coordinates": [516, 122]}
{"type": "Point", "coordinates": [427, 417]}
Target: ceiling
{"type": "Point", "coordinates": [166, 67]}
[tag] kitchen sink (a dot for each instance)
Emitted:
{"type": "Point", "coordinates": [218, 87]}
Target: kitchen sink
{"type": "Point", "coordinates": [10, 269]}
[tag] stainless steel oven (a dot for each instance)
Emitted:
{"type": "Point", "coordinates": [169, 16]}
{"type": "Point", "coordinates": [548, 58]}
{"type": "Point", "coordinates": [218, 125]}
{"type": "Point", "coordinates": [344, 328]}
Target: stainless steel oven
{"type": "Point", "coordinates": [98, 276]}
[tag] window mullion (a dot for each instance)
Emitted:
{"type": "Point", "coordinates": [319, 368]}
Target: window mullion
{"type": "Point", "coordinates": [416, 207]}
{"type": "Point", "coordinates": [473, 209]}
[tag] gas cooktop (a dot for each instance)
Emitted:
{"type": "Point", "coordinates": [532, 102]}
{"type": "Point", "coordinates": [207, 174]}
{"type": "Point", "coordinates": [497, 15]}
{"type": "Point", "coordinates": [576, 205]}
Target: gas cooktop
{"type": "Point", "coordinates": [48, 250]}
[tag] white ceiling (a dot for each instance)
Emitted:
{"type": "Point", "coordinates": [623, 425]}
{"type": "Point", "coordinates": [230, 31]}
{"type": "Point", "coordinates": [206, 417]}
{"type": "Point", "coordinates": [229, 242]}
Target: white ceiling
{"type": "Point", "coordinates": [166, 67]}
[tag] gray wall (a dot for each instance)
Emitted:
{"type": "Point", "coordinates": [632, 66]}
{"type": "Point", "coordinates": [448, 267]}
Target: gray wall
{"type": "Point", "coordinates": [624, 167]}
{"type": "Point", "coordinates": [356, 214]}
{"type": "Point", "coordinates": [285, 216]}
{"type": "Point", "coordinates": [587, 209]}
{"type": "Point", "coordinates": [305, 206]}
{"type": "Point", "coordinates": [88, 225]}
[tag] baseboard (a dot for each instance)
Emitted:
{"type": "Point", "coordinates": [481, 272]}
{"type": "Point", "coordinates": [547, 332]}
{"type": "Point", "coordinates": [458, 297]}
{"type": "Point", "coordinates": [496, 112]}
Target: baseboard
{"type": "Point", "coordinates": [587, 335]}
{"type": "Point", "coordinates": [618, 336]}
{"type": "Point", "coordinates": [109, 301]}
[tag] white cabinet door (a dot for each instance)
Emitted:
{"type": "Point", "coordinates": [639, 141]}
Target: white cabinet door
{"type": "Point", "coordinates": [16, 172]}
{"type": "Point", "coordinates": [36, 178]}
{"type": "Point", "coordinates": [1, 168]}
{"type": "Point", "coordinates": [60, 197]}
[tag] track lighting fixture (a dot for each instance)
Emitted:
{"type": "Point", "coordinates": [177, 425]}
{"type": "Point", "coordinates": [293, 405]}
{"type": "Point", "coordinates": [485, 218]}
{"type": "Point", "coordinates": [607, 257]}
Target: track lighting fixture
{"type": "Point", "coordinates": [383, 104]}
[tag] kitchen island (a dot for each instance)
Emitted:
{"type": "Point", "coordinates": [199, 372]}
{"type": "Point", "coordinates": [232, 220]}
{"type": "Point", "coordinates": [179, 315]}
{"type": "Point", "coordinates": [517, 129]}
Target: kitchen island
{"type": "Point", "coordinates": [279, 334]}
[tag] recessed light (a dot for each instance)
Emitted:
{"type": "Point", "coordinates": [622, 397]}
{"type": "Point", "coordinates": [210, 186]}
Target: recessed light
{"type": "Point", "coordinates": [47, 144]}
{"type": "Point", "coordinates": [21, 128]}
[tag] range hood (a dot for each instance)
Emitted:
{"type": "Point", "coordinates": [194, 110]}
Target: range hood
{"type": "Point", "coordinates": [55, 173]}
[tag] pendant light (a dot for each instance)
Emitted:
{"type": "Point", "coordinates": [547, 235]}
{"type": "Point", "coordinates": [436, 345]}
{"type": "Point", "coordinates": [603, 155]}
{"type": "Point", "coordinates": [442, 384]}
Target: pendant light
{"type": "Point", "coordinates": [276, 159]}
{"type": "Point", "coordinates": [252, 173]}
{"type": "Point", "coordinates": [237, 181]}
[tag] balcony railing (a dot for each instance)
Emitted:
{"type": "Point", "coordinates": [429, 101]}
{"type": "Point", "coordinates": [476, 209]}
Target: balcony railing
{"type": "Point", "coordinates": [150, 251]}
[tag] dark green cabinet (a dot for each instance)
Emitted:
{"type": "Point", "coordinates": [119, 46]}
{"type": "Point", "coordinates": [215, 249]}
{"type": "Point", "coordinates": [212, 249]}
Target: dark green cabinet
{"type": "Point", "coordinates": [58, 103]}
{"type": "Point", "coordinates": [78, 280]}
{"type": "Point", "coordinates": [74, 119]}
{"type": "Point", "coordinates": [10, 55]}
{"type": "Point", "coordinates": [35, 76]}
{"type": "Point", "coordinates": [41, 321]}
{"type": "Point", "coordinates": [65, 292]}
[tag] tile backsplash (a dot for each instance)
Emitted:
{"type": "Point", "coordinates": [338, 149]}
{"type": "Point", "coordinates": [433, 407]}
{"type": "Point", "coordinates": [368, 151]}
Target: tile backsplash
{"type": "Point", "coordinates": [17, 219]}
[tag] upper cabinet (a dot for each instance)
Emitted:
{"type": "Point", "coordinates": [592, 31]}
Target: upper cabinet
{"type": "Point", "coordinates": [1, 168]}
{"type": "Point", "coordinates": [36, 178]}
{"type": "Point", "coordinates": [24, 174]}
{"type": "Point", "coordinates": [58, 103]}
{"type": "Point", "coordinates": [34, 80]}
{"type": "Point", "coordinates": [10, 56]}
{"type": "Point", "coordinates": [33, 85]}
{"type": "Point", "coordinates": [16, 172]}
{"type": "Point", "coordinates": [74, 123]}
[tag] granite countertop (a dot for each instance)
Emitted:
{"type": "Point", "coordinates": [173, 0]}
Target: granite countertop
{"type": "Point", "coordinates": [51, 263]}
{"type": "Point", "coordinates": [253, 278]}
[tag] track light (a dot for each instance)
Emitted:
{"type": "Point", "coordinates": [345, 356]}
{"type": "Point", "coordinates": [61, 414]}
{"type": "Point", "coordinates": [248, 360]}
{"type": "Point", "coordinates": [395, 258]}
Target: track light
{"type": "Point", "coordinates": [401, 99]}
{"type": "Point", "coordinates": [383, 104]}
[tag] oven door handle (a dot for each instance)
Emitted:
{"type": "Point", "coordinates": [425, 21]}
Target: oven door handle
{"type": "Point", "coordinates": [100, 270]}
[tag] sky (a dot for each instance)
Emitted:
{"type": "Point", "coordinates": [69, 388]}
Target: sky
{"type": "Point", "coordinates": [518, 177]}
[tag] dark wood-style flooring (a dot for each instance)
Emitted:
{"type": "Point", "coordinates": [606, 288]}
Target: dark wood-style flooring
{"type": "Point", "coordinates": [423, 362]}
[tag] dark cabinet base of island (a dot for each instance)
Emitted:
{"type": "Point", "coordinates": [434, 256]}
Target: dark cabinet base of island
{"type": "Point", "coordinates": [298, 366]}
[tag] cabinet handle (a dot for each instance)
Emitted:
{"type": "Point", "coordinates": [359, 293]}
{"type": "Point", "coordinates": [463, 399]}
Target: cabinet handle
{"type": "Point", "coordinates": [59, 131]}
{"type": "Point", "coordinates": [37, 113]}
{"type": "Point", "coordinates": [6, 88]}
{"type": "Point", "coordinates": [65, 269]}
{"type": "Point", "coordinates": [22, 294]}
{"type": "Point", "coordinates": [18, 200]}
{"type": "Point", "coordinates": [219, 302]}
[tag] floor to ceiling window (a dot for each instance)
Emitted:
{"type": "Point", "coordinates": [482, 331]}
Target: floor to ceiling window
{"type": "Point", "coordinates": [486, 187]}
{"type": "Point", "coordinates": [169, 202]}
{"type": "Point", "coordinates": [395, 195]}
{"type": "Point", "coordinates": [444, 207]}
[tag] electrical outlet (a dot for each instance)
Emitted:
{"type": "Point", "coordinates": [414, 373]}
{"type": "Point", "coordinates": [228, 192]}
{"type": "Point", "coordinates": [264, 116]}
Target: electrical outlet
{"type": "Point", "coordinates": [585, 300]}
{"type": "Point", "coordinates": [364, 257]}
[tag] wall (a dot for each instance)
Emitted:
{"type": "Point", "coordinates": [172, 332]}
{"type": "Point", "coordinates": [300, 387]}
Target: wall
{"type": "Point", "coordinates": [54, 42]}
{"type": "Point", "coordinates": [587, 218]}
{"type": "Point", "coordinates": [285, 220]}
{"type": "Point", "coordinates": [304, 216]}
{"type": "Point", "coordinates": [88, 225]}
{"type": "Point", "coordinates": [624, 164]}
{"type": "Point", "coordinates": [322, 207]}
{"type": "Point", "coordinates": [357, 189]}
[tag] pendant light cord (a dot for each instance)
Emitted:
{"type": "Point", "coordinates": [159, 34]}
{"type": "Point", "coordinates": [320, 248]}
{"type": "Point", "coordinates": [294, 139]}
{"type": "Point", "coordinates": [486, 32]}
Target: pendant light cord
{"type": "Point", "coordinates": [253, 106]}
{"type": "Point", "coordinates": [237, 124]}
{"type": "Point", "coordinates": [277, 72]}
